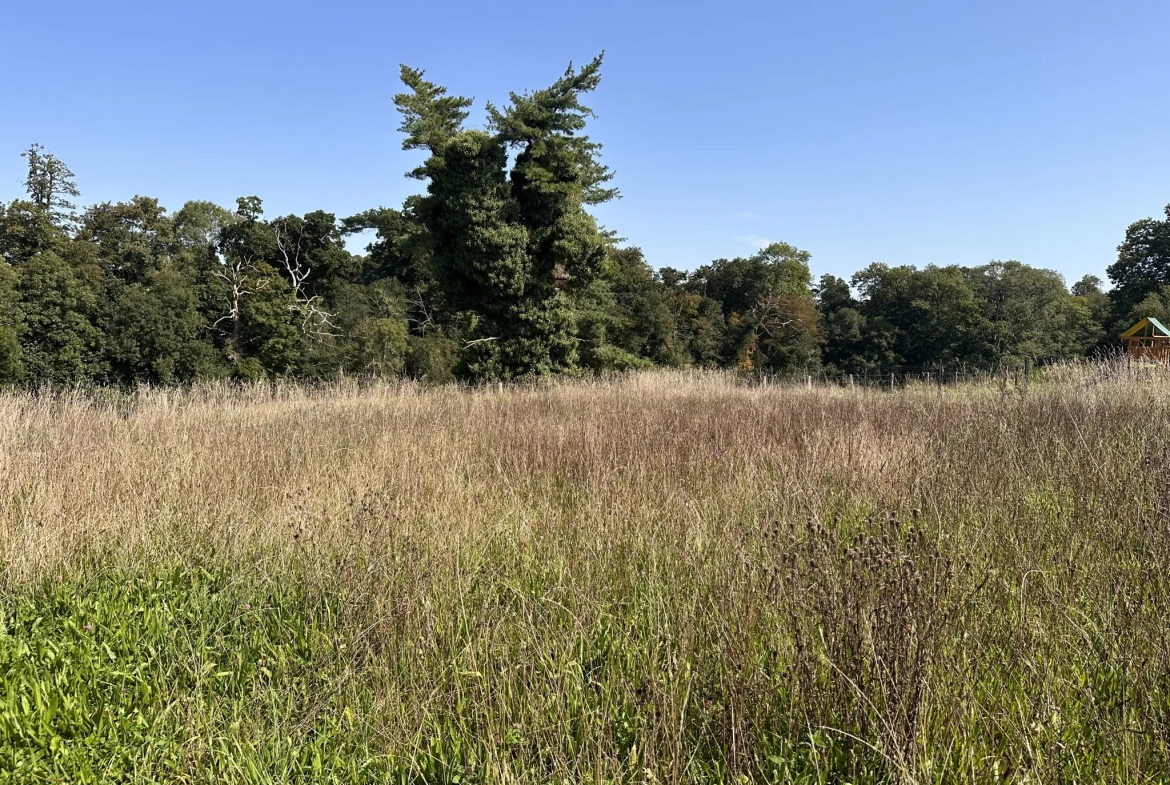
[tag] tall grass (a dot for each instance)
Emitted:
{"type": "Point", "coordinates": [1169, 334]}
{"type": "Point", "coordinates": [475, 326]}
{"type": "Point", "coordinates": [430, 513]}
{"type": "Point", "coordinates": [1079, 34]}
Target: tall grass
{"type": "Point", "coordinates": [666, 578]}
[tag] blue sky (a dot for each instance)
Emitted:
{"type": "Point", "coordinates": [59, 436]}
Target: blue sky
{"type": "Point", "coordinates": [901, 132]}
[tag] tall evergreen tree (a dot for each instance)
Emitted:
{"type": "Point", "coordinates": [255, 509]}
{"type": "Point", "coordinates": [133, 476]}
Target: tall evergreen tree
{"type": "Point", "coordinates": [44, 220]}
{"type": "Point", "coordinates": [513, 250]}
{"type": "Point", "coordinates": [50, 183]}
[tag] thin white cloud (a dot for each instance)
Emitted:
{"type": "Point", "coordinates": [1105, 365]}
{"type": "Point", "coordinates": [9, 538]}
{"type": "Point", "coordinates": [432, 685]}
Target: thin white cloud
{"type": "Point", "coordinates": [754, 240]}
{"type": "Point", "coordinates": [749, 216]}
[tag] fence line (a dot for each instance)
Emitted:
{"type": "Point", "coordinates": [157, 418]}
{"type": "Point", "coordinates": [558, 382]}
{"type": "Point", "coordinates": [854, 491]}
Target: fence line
{"type": "Point", "coordinates": [895, 377]}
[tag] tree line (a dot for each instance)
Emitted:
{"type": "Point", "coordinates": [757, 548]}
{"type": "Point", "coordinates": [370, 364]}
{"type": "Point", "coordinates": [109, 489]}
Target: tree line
{"type": "Point", "coordinates": [496, 270]}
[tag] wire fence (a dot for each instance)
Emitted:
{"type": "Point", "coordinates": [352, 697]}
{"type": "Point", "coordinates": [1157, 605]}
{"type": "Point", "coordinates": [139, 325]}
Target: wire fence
{"type": "Point", "coordinates": [938, 374]}
{"type": "Point", "coordinates": [895, 377]}
{"type": "Point", "coordinates": [1084, 371]}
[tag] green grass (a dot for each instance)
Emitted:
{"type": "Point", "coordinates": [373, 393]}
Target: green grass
{"type": "Point", "coordinates": [177, 675]}
{"type": "Point", "coordinates": [247, 673]}
{"type": "Point", "coordinates": [197, 674]}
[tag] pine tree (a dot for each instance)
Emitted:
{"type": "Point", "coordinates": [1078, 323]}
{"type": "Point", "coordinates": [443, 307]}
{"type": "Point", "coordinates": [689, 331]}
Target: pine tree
{"type": "Point", "coordinates": [50, 183]}
{"type": "Point", "coordinates": [513, 250]}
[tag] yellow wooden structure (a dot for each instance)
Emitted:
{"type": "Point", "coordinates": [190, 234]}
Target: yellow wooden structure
{"type": "Point", "coordinates": [1148, 339]}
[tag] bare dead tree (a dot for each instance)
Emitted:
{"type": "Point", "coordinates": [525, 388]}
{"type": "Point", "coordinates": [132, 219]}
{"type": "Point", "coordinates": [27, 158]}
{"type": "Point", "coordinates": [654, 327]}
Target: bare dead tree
{"type": "Point", "coordinates": [316, 322]}
{"type": "Point", "coordinates": [419, 305]}
{"type": "Point", "coordinates": [774, 313]}
{"type": "Point", "coordinates": [236, 273]}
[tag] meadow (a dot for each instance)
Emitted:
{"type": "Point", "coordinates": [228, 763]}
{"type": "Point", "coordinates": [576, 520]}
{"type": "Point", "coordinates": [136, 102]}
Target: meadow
{"type": "Point", "coordinates": [665, 578]}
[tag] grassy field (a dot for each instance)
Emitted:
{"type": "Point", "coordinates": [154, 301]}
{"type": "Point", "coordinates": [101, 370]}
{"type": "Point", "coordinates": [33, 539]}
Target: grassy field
{"type": "Point", "coordinates": [667, 578]}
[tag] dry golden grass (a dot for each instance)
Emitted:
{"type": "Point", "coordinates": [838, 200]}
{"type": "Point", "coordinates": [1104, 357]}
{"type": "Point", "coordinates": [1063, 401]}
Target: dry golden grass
{"type": "Point", "coordinates": [776, 583]}
{"type": "Point", "coordinates": [278, 468]}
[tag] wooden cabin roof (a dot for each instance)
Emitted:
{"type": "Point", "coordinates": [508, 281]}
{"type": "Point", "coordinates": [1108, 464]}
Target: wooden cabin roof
{"type": "Point", "coordinates": [1157, 329]}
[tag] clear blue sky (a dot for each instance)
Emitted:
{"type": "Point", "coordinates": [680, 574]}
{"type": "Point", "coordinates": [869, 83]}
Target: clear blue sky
{"type": "Point", "coordinates": [902, 132]}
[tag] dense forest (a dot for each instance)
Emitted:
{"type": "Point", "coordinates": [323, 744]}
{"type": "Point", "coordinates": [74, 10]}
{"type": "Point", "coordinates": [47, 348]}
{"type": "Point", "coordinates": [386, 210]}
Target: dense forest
{"type": "Point", "coordinates": [496, 271]}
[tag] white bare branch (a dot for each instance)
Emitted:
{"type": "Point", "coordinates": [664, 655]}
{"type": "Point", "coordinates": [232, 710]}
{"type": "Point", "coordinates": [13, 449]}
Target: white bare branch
{"type": "Point", "coordinates": [316, 322]}
{"type": "Point", "coordinates": [774, 313]}
{"type": "Point", "coordinates": [421, 307]}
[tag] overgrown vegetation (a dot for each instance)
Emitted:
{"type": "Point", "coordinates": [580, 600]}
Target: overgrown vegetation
{"type": "Point", "coordinates": [668, 577]}
{"type": "Point", "coordinates": [497, 271]}
{"type": "Point", "coordinates": [176, 674]}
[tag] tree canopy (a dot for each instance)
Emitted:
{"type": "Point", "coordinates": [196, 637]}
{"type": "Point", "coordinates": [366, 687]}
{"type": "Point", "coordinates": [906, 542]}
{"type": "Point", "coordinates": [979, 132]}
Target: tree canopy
{"type": "Point", "coordinates": [497, 269]}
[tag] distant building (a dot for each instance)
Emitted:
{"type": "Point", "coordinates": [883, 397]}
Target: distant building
{"type": "Point", "coordinates": [1148, 339]}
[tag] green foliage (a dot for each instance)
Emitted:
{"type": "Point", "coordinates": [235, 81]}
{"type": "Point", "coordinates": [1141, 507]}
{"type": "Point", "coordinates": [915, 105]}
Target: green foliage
{"type": "Point", "coordinates": [399, 250]}
{"type": "Point", "coordinates": [183, 674]}
{"type": "Point", "coordinates": [198, 226]}
{"type": "Point", "coordinates": [533, 339]}
{"type": "Point", "coordinates": [314, 244]}
{"type": "Point", "coordinates": [923, 316]}
{"type": "Point", "coordinates": [1143, 262]}
{"type": "Point", "coordinates": [479, 247]}
{"type": "Point", "coordinates": [11, 326]}
{"type": "Point", "coordinates": [61, 343]}
{"type": "Point", "coordinates": [26, 230]}
{"type": "Point", "coordinates": [129, 240]}
{"type": "Point", "coordinates": [510, 250]}
{"type": "Point", "coordinates": [1093, 301]}
{"type": "Point", "coordinates": [780, 270]}
{"type": "Point", "coordinates": [374, 334]}
{"type": "Point", "coordinates": [430, 117]}
{"type": "Point", "coordinates": [432, 357]}
{"type": "Point", "coordinates": [269, 332]}
{"type": "Point", "coordinates": [158, 335]}
{"type": "Point", "coordinates": [1030, 312]}
{"type": "Point", "coordinates": [644, 323]}
{"type": "Point", "coordinates": [768, 303]}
